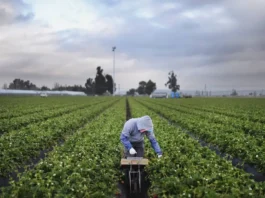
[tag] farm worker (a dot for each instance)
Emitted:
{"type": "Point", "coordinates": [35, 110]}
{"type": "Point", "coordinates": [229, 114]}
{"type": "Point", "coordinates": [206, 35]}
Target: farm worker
{"type": "Point", "coordinates": [132, 136]}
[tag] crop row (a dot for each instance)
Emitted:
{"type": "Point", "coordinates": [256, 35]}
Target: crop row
{"type": "Point", "coordinates": [84, 166]}
{"type": "Point", "coordinates": [17, 104]}
{"type": "Point", "coordinates": [18, 147]}
{"type": "Point", "coordinates": [247, 109]}
{"type": "Point", "coordinates": [238, 105]}
{"type": "Point", "coordinates": [188, 169]}
{"type": "Point", "coordinates": [9, 104]}
{"type": "Point", "coordinates": [249, 127]}
{"type": "Point", "coordinates": [18, 122]}
{"type": "Point", "coordinates": [226, 138]}
{"type": "Point", "coordinates": [25, 110]}
{"type": "Point", "coordinates": [246, 112]}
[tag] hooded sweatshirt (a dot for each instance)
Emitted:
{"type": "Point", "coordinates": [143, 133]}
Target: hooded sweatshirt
{"type": "Point", "coordinates": [131, 133]}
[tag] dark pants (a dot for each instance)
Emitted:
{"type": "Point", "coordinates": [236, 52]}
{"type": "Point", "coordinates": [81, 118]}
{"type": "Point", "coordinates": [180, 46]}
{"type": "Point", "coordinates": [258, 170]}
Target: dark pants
{"type": "Point", "coordinates": [138, 147]}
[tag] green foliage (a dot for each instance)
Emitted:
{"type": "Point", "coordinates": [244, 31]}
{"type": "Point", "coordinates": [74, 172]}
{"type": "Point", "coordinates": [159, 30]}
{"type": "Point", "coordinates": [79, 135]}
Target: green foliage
{"type": "Point", "coordinates": [22, 85]}
{"type": "Point", "coordinates": [243, 139]}
{"type": "Point", "coordinates": [187, 169]}
{"type": "Point", "coordinates": [103, 83]}
{"type": "Point", "coordinates": [90, 86]}
{"type": "Point", "coordinates": [172, 82]}
{"type": "Point", "coordinates": [234, 93]}
{"type": "Point", "coordinates": [131, 92]}
{"type": "Point", "coordinates": [141, 89]}
{"type": "Point", "coordinates": [100, 82]}
{"type": "Point", "coordinates": [84, 166]}
{"type": "Point", "coordinates": [150, 87]}
{"type": "Point", "coordinates": [87, 164]}
{"type": "Point", "coordinates": [19, 146]}
{"type": "Point", "coordinates": [146, 87]}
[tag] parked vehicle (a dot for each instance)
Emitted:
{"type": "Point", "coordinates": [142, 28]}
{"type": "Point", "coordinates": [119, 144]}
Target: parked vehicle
{"type": "Point", "coordinates": [43, 95]}
{"type": "Point", "coordinates": [159, 95]}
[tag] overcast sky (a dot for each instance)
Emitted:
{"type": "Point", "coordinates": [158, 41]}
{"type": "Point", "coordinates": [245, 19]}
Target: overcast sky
{"type": "Point", "coordinates": [219, 43]}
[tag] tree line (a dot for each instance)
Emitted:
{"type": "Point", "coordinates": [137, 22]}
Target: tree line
{"type": "Point", "coordinates": [101, 84]}
{"type": "Point", "coordinates": [146, 88]}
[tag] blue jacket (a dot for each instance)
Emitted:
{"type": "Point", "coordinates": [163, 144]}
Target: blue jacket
{"type": "Point", "coordinates": [131, 133]}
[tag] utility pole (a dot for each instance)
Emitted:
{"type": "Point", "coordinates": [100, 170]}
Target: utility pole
{"type": "Point", "coordinates": [113, 49]}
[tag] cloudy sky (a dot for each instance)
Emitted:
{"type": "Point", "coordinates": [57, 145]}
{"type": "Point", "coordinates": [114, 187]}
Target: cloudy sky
{"type": "Point", "coordinates": [220, 43]}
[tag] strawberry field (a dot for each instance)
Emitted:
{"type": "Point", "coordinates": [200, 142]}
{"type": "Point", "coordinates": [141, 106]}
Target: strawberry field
{"type": "Point", "coordinates": [70, 147]}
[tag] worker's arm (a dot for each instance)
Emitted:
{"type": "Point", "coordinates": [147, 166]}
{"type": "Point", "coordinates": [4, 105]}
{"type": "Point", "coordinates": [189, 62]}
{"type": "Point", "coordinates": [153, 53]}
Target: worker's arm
{"type": "Point", "coordinates": [124, 137]}
{"type": "Point", "coordinates": [154, 143]}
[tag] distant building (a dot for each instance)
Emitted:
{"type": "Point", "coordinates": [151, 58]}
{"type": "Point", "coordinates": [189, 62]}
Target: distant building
{"type": "Point", "coordinates": [10, 92]}
{"type": "Point", "coordinates": [159, 95]}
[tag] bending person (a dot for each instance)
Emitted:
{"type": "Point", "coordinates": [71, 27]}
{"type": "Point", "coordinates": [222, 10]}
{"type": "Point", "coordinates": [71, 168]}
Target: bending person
{"type": "Point", "coordinates": [132, 137]}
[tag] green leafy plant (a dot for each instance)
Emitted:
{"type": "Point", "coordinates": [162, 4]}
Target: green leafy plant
{"type": "Point", "coordinates": [187, 169]}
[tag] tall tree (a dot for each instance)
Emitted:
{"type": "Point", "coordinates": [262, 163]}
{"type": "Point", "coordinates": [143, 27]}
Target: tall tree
{"type": "Point", "coordinates": [109, 83]}
{"type": "Point", "coordinates": [22, 85]}
{"type": "Point", "coordinates": [150, 87]}
{"type": "Point", "coordinates": [131, 92]}
{"type": "Point", "coordinates": [142, 87]}
{"type": "Point", "coordinates": [172, 82]}
{"type": "Point", "coordinates": [90, 86]}
{"type": "Point", "coordinates": [100, 82]}
{"type": "Point", "coordinates": [44, 88]}
{"type": "Point", "coordinates": [103, 83]}
{"type": "Point", "coordinates": [234, 93]}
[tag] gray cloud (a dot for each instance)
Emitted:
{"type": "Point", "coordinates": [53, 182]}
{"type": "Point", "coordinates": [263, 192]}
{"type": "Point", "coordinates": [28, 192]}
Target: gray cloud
{"type": "Point", "coordinates": [13, 11]}
{"type": "Point", "coordinates": [219, 43]}
{"type": "Point", "coordinates": [26, 17]}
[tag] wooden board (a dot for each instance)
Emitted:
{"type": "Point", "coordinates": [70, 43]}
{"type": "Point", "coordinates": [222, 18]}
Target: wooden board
{"type": "Point", "coordinates": [134, 162]}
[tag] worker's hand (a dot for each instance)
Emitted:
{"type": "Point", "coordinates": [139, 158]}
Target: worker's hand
{"type": "Point", "coordinates": [159, 156]}
{"type": "Point", "coordinates": [132, 151]}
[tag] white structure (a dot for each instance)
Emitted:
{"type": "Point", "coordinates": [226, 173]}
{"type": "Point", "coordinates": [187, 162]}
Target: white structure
{"type": "Point", "coordinates": [159, 94]}
{"type": "Point", "coordinates": [40, 93]}
{"type": "Point", "coordinates": [43, 95]}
